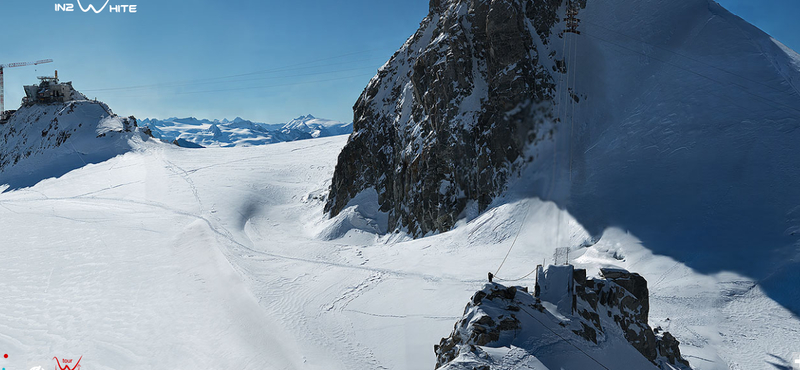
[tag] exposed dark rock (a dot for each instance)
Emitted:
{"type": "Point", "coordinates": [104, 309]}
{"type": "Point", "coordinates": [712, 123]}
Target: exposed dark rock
{"type": "Point", "coordinates": [579, 275]}
{"type": "Point", "coordinates": [183, 143]}
{"type": "Point", "coordinates": [587, 332]}
{"type": "Point", "coordinates": [628, 293]}
{"type": "Point", "coordinates": [668, 347]}
{"type": "Point", "coordinates": [616, 306]}
{"type": "Point", "coordinates": [625, 292]}
{"type": "Point", "coordinates": [507, 293]}
{"type": "Point", "coordinates": [478, 297]}
{"type": "Point", "coordinates": [469, 333]}
{"type": "Point", "coordinates": [444, 123]}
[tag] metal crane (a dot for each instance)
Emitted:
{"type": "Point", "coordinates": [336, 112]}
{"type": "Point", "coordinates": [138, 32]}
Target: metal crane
{"type": "Point", "coordinates": [11, 65]}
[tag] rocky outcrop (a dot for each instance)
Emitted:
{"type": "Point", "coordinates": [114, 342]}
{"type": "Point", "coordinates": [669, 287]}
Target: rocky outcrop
{"type": "Point", "coordinates": [48, 140]}
{"type": "Point", "coordinates": [615, 306]}
{"type": "Point", "coordinates": [623, 297]}
{"type": "Point", "coordinates": [445, 121]}
{"type": "Point", "coordinates": [479, 328]}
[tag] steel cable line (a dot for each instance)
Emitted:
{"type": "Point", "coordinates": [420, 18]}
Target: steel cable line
{"type": "Point", "coordinates": [221, 81]}
{"type": "Point", "coordinates": [273, 78]}
{"type": "Point", "coordinates": [570, 89]}
{"type": "Point", "coordinates": [567, 55]}
{"type": "Point", "coordinates": [564, 339]}
{"type": "Point", "coordinates": [690, 58]}
{"type": "Point", "coordinates": [574, 103]}
{"type": "Point", "coordinates": [744, 89]}
{"type": "Point", "coordinates": [741, 87]}
{"type": "Point", "coordinates": [513, 242]}
{"type": "Point", "coordinates": [257, 87]}
{"type": "Point", "coordinates": [267, 86]}
{"type": "Point", "coordinates": [271, 70]}
{"type": "Point", "coordinates": [518, 279]}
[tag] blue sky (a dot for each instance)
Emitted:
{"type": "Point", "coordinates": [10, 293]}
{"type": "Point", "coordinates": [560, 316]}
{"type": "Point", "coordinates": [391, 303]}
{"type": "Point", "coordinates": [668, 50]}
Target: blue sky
{"type": "Point", "coordinates": [289, 57]}
{"type": "Point", "coordinates": [779, 18]}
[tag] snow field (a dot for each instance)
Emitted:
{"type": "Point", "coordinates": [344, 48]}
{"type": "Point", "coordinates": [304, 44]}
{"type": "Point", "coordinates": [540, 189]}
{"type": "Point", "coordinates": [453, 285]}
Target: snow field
{"type": "Point", "coordinates": [178, 258]}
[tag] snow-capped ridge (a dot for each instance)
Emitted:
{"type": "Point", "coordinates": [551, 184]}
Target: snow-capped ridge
{"type": "Point", "coordinates": [48, 140]}
{"type": "Point", "coordinates": [242, 132]}
{"type": "Point", "coordinates": [319, 127]}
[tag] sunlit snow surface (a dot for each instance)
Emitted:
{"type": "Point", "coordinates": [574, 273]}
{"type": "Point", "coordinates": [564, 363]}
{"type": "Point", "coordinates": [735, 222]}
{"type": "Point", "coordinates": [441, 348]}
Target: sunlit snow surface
{"type": "Point", "coordinates": [241, 132]}
{"type": "Point", "coordinates": [217, 258]}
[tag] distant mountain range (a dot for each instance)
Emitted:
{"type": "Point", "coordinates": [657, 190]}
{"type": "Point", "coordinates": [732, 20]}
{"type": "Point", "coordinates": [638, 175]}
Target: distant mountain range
{"type": "Point", "coordinates": [194, 132]}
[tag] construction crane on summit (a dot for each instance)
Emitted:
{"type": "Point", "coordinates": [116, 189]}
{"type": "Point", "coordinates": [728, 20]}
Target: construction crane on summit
{"type": "Point", "coordinates": [11, 65]}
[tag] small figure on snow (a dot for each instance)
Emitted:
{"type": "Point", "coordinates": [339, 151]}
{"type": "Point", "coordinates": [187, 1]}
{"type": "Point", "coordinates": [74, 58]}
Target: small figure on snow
{"type": "Point", "coordinates": [491, 276]}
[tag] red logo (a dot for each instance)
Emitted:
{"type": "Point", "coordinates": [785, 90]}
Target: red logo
{"type": "Point", "coordinates": [67, 361]}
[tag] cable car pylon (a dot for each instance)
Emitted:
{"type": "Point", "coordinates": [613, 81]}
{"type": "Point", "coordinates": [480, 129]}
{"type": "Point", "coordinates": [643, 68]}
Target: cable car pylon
{"type": "Point", "coordinates": [571, 19]}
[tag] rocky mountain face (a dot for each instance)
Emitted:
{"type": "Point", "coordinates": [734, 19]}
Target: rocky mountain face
{"type": "Point", "coordinates": [609, 313]}
{"type": "Point", "coordinates": [623, 297]}
{"type": "Point", "coordinates": [47, 140]}
{"type": "Point", "coordinates": [445, 122]}
{"type": "Point", "coordinates": [683, 128]}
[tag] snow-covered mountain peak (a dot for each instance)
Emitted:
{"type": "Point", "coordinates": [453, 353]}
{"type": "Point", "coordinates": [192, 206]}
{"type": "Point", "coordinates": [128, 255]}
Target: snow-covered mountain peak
{"type": "Point", "coordinates": [675, 119]}
{"type": "Point", "coordinates": [242, 132]}
{"type": "Point", "coordinates": [47, 140]}
{"type": "Point", "coordinates": [318, 127]}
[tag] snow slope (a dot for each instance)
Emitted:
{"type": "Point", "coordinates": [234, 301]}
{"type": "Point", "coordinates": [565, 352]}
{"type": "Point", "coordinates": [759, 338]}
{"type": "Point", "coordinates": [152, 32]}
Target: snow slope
{"type": "Point", "coordinates": [241, 132]}
{"type": "Point", "coordinates": [49, 140]}
{"type": "Point", "coordinates": [167, 257]}
{"type": "Point", "coordinates": [675, 120]}
{"type": "Point", "coordinates": [686, 134]}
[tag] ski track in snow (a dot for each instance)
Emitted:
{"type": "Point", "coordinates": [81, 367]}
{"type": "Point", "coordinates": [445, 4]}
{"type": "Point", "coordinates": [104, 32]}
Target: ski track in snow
{"type": "Point", "coordinates": [153, 262]}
